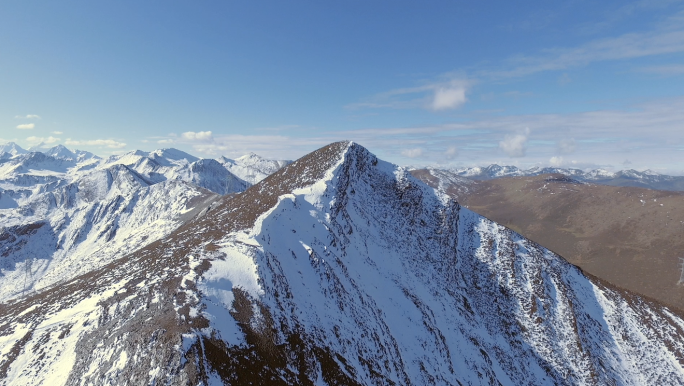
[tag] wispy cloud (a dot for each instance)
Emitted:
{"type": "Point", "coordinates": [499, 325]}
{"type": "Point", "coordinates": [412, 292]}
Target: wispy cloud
{"type": "Point", "coordinates": [412, 153]}
{"type": "Point", "coordinates": [648, 134]}
{"type": "Point", "coordinates": [623, 13]}
{"type": "Point", "coordinates": [109, 143]}
{"type": "Point", "coordinates": [566, 145]}
{"type": "Point", "coordinates": [449, 91]}
{"type": "Point", "coordinates": [57, 132]}
{"type": "Point", "coordinates": [666, 39]}
{"type": "Point", "coordinates": [278, 128]}
{"type": "Point", "coordinates": [26, 126]}
{"type": "Point", "coordinates": [665, 70]}
{"type": "Point", "coordinates": [451, 152]}
{"type": "Point", "coordinates": [445, 94]}
{"type": "Point", "coordinates": [27, 116]}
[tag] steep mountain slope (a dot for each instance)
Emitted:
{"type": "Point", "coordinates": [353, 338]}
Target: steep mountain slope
{"type": "Point", "coordinates": [339, 269]}
{"type": "Point", "coordinates": [628, 236]}
{"type": "Point", "coordinates": [88, 223]}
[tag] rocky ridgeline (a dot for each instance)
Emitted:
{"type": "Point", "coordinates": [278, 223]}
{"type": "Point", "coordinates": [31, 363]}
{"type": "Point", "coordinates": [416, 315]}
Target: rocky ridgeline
{"type": "Point", "coordinates": [339, 268]}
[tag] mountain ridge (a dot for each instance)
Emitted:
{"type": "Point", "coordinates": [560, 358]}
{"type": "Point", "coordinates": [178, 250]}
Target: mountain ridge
{"type": "Point", "coordinates": [339, 269]}
{"type": "Point", "coordinates": [629, 177]}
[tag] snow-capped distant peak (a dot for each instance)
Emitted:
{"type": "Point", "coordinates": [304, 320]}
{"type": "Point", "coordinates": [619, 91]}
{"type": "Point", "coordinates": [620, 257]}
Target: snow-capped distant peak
{"type": "Point", "coordinates": [250, 157]}
{"type": "Point", "coordinates": [252, 167]}
{"type": "Point", "coordinates": [601, 173]}
{"type": "Point", "coordinates": [60, 152]}
{"type": "Point", "coordinates": [12, 148]}
{"type": "Point", "coordinates": [172, 154]}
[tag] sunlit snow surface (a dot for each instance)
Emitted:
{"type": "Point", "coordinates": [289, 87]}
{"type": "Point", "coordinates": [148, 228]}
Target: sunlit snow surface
{"type": "Point", "coordinates": [65, 213]}
{"type": "Point", "coordinates": [362, 276]}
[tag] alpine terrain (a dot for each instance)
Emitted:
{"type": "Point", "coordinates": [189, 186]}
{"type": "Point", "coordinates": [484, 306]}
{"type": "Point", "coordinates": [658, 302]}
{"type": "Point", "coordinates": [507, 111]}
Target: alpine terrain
{"type": "Point", "coordinates": [64, 213]}
{"type": "Point", "coordinates": [338, 269]}
{"type": "Point", "coordinates": [630, 236]}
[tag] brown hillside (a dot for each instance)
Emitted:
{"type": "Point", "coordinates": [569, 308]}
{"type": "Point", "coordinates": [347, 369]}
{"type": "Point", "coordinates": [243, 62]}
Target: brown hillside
{"type": "Point", "coordinates": [631, 237]}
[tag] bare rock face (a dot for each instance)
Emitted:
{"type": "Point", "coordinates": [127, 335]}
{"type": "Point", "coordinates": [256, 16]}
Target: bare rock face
{"type": "Point", "coordinates": [339, 269]}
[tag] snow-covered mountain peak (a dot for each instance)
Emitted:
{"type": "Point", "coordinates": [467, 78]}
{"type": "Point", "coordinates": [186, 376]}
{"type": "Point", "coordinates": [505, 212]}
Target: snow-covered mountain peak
{"type": "Point", "coordinates": [163, 157]}
{"type": "Point", "coordinates": [210, 174]}
{"type": "Point", "coordinates": [249, 157]}
{"type": "Point", "coordinates": [60, 152]}
{"type": "Point", "coordinates": [169, 156]}
{"type": "Point", "coordinates": [601, 173]}
{"type": "Point", "coordinates": [252, 167]}
{"type": "Point", "coordinates": [116, 180]}
{"type": "Point", "coordinates": [36, 163]}
{"type": "Point", "coordinates": [12, 149]}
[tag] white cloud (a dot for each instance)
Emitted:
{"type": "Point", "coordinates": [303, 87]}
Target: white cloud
{"type": "Point", "coordinates": [110, 143]}
{"type": "Point", "coordinates": [515, 145]}
{"type": "Point", "coordinates": [57, 132]}
{"type": "Point", "coordinates": [165, 141]}
{"type": "Point", "coordinates": [449, 97]}
{"type": "Point", "coordinates": [451, 152]}
{"type": "Point", "coordinates": [412, 153]}
{"type": "Point", "coordinates": [33, 140]}
{"type": "Point", "coordinates": [556, 161]}
{"type": "Point", "coordinates": [27, 116]}
{"type": "Point", "coordinates": [566, 146]}
{"type": "Point", "coordinates": [26, 126]}
{"type": "Point", "coordinates": [200, 136]}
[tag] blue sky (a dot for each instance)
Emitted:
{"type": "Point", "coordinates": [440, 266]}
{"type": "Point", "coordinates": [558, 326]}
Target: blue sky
{"type": "Point", "coordinates": [574, 83]}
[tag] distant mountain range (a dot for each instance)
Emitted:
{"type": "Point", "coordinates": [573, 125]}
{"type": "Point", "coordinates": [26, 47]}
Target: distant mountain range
{"type": "Point", "coordinates": [64, 213]}
{"type": "Point", "coordinates": [644, 179]}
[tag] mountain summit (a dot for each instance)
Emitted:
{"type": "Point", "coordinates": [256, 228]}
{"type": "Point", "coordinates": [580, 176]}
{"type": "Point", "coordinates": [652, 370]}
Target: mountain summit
{"type": "Point", "coordinates": [339, 269]}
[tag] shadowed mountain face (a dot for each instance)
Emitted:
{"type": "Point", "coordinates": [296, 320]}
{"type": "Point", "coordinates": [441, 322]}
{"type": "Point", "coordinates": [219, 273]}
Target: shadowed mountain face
{"type": "Point", "coordinates": [339, 269]}
{"type": "Point", "coordinates": [631, 237]}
